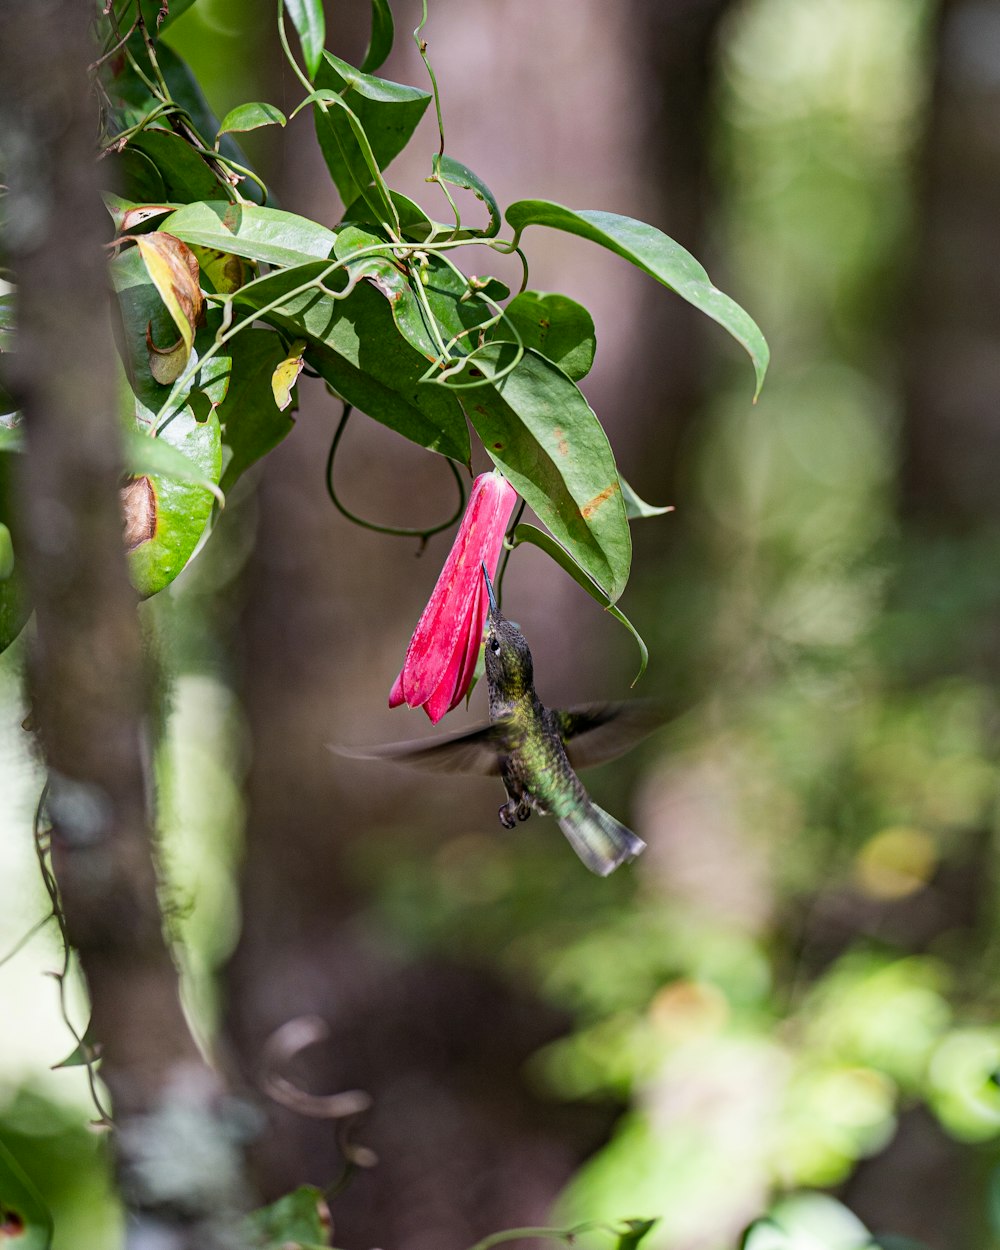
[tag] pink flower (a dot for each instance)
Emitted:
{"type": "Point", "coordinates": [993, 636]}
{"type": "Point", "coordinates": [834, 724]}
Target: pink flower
{"type": "Point", "coordinates": [442, 654]}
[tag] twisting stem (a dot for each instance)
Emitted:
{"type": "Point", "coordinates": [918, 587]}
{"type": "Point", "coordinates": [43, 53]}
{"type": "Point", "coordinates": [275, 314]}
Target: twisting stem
{"type": "Point", "coordinates": [397, 531]}
{"type": "Point", "coordinates": [422, 49]}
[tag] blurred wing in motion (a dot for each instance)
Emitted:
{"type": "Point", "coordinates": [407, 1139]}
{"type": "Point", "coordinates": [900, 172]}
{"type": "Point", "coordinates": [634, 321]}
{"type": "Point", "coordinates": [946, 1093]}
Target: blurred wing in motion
{"type": "Point", "coordinates": [597, 732]}
{"type": "Point", "coordinates": [477, 751]}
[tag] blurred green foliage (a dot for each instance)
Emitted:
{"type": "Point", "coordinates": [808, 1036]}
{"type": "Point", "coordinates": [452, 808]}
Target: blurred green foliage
{"type": "Point", "coordinates": [808, 950]}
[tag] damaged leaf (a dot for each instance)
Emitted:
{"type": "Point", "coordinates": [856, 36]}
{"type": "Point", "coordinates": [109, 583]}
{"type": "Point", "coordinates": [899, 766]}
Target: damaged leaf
{"type": "Point", "coordinates": [173, 269]}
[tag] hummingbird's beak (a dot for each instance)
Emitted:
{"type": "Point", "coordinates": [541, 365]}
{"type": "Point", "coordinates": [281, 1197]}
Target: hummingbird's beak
{"type": "Point", "coordinates": [489, 589]}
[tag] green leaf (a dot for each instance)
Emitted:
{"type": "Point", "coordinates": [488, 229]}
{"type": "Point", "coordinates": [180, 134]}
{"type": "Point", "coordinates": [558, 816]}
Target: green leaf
{"type": "Point", "coordinates": [255, 233]}
{"type": "Point", "coordinates": [25, 1220]}
{"type": "Point", "coordinates": [636, 1231]}
{"type": "Point", "coordinates": [184, 174]}
{"type": "Point", "coordinates": [184, 90]}
{"type": "Point", "coordinates": [443, 289]}
{"type": "Point", "coordinates": [525, 533]}
{"type": "Point", "coordinates": [15, 607]}
{"type": "Point", "coordinates": [539, 430]}
{"type": "Point", "coordinates": [447, 169]}
{"type": "Point", "coordinates": [637, 509]}
{"type": "Point", "coordinates": [85, 1051]}
{"type": "Point", "coordinates": [145, 321]}
{"type": "Point", "coordinates": [375, 114]}
{"type": "Point", "coordinates": [6, 554]}
{"type": "Point", "coordinates": [556, 326]}
{"type": "Point", "coordinates": [251, 117]}
{"type": "Point", "coordinates": [298, 1218]}
{"type": "Point", "coordinates": [310, 24]}
{"type": "Point", "coordinates": [413, 221]}
{"type": "Point", "coordinates": [656, 254]}
{"type": "Point", "coordinates": [149, 456]}
{"type": "Point", "coordinates": [165, 517]}
{"type": "Point", "coordinates": [355, 346]}
{"type": "Point", "coordinates": [252, 422]}
{"type": "Point", "coordinates": [380, 44]}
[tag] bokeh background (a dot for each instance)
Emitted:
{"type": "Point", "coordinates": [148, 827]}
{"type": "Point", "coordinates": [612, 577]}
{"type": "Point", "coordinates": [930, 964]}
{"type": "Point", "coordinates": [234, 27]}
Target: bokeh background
{"type": "Point", "coordinates": [795, 989]}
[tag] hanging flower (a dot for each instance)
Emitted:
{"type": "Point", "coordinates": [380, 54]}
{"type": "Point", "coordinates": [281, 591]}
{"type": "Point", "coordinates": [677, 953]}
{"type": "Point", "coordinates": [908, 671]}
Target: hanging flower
{"type": "Point", "coordinates": [442, 654]}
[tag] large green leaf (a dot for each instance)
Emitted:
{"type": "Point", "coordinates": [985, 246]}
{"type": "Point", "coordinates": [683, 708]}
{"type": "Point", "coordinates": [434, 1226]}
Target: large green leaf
{"type": "Point", "coordinates": [539, 430]}
{"type": "Point", "coordinates": [656, 254]}
{"type": "Point", "coordinates": [358, 350]}
{"type": "Point", "coordinates": [25, 1220]}
{"type": "Point", "coordinates": [380, 44]}
{"type": "Point", "coordinates": [529, 534]}
{"type": "Point", "coordinates": [387, 112]}
{"type": "Point", "coordinates": [255, 233]}
{"type": "Point", "coordinates": [310, 25]}
{"type": "Point", "coordinates": [145, 455]}
{"type": "Point", "coordinates": [185, 174]}
{"type": "Point", "coordinates": [413, 221]}
{"type": "Point", "coordinates": [556, 326]}
{"type": "Point", "coordinates": [251, 420]}
{"type": "Point", "coordinates": [166, 517]}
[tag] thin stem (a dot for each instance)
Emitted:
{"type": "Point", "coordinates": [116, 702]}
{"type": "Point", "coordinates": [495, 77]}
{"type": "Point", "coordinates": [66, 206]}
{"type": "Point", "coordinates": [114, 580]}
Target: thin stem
{"type": "Point", "coordinates": [165, 415]}
{"type": "Point", "coordinates": [151, 52]}
{"type": "Point", "coordinates": [423, 534]}
{"type": "Point", "coordinates": [52, 889]}
{"type": "Point", "coordinates": [283, 37]}
{"type": "Point", "coordinates": [508, 547]}
{"type": "Point", "coordinates": [422, 49]}
{"type": "Point", "coordinates": [23, 941]}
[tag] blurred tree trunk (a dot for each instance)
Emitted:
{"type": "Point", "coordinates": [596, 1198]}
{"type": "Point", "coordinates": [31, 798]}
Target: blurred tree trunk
{"type": "Point", "coordinates": [951, 435]}
{"type": "Point", "coordinates": [87, 672]}
{"type": "Point", "coordinates": [465, 1147]}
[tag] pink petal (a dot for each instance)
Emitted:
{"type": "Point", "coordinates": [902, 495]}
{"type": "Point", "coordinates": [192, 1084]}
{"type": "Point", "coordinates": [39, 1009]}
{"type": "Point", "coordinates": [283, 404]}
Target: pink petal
{"type": "Point", "coordinates": [442, 654]}
{"type": "Point", "coordinates": [396, 696]}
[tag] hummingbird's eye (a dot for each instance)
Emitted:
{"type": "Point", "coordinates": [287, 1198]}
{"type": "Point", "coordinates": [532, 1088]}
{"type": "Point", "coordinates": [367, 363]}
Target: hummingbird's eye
{"type": "Point", "coordinates": [495, 645]}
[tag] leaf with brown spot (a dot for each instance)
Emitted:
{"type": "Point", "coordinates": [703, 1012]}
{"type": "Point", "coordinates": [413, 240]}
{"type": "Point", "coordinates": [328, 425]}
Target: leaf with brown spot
{"type": "Point", "coordinates": [544, 437]}
{"type": "Point", "coordinates": [173, 270]}
{"type": "Point", "coordinates": [138, 512]}
{"type": "Point", "coordinates": [25, 1221]}
{"type": "Point", "coordinates": [225, 272]}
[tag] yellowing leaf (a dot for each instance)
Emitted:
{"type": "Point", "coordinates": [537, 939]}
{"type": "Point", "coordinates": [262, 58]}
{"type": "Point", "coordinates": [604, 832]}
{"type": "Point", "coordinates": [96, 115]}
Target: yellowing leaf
{"type": "Point", "coordinates": [286, 374]}
{"type": "Point", "coordinates": [173, 269]}
{"type": "Point", "coordinates": [226, 272]}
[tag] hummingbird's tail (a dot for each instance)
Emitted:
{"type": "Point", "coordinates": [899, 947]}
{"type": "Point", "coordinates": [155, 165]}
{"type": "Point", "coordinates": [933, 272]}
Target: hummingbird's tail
{"type": "Point", "coordinates": [601, 841]}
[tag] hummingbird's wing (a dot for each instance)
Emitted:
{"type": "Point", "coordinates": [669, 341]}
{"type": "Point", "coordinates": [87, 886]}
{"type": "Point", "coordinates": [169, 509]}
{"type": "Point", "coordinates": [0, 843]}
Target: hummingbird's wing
{"type": "Point", "coordinates": [477, 751]}
{"type": "Point", "coordinates": [597, 732]}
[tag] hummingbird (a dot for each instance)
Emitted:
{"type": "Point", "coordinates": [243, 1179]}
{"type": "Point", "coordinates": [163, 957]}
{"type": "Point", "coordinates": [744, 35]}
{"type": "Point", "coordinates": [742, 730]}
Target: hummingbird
{"type": "Point", "coordinates": [536, 749]}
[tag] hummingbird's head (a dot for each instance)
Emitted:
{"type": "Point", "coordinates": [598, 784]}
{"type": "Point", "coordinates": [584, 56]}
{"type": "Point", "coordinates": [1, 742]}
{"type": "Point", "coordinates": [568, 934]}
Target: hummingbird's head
{"type": "Point", "coordinates": [509, 670]}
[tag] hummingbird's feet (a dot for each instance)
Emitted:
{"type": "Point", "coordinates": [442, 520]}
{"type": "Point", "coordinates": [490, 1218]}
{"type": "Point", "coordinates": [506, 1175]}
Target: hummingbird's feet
{"type": "Point", "coordinates": [515, 809]}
